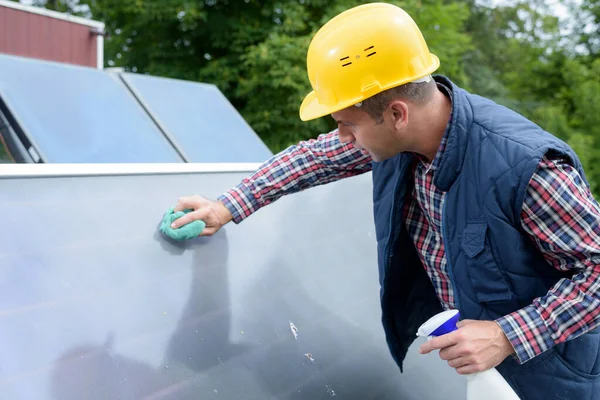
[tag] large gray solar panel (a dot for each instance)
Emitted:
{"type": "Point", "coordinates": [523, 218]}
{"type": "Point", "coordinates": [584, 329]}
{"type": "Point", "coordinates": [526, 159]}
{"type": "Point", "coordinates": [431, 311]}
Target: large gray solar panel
{"type": "Point", "coordinates": [199, 118]}
{"type": "Point", "coordinates": [77, 114]}
{"type": "Point", "coordinates": [95, 304]}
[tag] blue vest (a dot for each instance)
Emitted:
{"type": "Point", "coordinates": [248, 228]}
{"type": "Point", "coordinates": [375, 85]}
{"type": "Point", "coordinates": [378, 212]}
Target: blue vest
{"type": "Point", "coordinates": [491, 154]}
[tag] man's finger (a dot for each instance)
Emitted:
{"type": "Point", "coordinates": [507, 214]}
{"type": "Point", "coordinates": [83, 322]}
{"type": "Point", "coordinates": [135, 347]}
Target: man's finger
{"type": "Point", "coordinates": [450, 353]}
{"type": "Point", "coordinates": [179, 207]}
{"type": "Point", "coordinates": [458, 362]}
{"type": "Point", "coordinates": [184, 203]}
{"type": "Point", "coordinates": [440, 342]}
{"type": "Point", "coordinates": [187, 218]}
{"type": "Point", "coordinates": [208, 231]}
{"type": "Point", "coordinates": [469, 369]}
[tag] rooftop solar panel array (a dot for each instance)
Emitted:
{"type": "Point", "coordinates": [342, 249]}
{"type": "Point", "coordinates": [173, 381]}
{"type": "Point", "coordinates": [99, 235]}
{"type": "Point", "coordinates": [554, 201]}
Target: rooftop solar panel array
{"type": "Point", "coordinates": [70, 114]}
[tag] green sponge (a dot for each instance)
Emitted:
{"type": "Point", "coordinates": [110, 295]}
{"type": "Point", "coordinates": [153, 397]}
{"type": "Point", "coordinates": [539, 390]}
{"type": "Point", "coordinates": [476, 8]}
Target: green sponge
{"type": "Point", "coordinates": [188, 231]}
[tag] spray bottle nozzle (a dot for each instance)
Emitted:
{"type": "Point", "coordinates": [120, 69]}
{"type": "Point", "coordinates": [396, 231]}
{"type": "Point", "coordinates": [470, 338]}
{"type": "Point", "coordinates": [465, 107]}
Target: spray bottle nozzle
{"type": "Point", "coordinates": [440, 324]}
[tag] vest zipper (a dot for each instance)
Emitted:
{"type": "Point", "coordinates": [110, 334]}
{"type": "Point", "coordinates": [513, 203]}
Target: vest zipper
{"type": "Point", "coordinates": [448, 264]}
{"type": "Point", "coordinates": [392, 235]}
{"type": "Point", "coordinates": [389, 248]}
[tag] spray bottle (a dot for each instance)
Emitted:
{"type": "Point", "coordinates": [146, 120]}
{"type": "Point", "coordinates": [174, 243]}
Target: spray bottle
{"type": "Point", "coordinates": [489, 385]}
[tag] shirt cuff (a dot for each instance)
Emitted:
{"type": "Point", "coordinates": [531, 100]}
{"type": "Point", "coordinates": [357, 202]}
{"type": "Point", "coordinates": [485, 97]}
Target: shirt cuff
{"type": "Point", "coordinates": [240, 202]}
{"type": "Point", "coordinates": [527, 332]}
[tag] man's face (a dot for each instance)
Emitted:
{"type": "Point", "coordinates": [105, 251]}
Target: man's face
{"type": "Point", "coordinates": [355, 126]}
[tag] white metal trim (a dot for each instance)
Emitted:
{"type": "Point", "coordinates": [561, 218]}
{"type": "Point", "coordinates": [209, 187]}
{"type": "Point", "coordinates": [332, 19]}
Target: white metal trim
{"type": "Point", "coordinates": [52, 14]}
{"type": "Point", "coordinates": [100, 51]}
{"type": "Point", "coordinates": [114, 169]}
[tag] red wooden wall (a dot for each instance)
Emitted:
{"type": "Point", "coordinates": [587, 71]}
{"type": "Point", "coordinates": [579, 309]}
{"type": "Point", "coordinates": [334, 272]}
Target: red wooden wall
{"type": "Point", "coordinates": [37, 36]}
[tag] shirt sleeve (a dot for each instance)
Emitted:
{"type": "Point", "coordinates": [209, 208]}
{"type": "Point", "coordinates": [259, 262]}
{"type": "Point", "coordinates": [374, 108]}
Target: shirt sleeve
{"type": "Point", "coordinates": [563, 219]}
{"type": "Point", "coordinates": [304, 165]}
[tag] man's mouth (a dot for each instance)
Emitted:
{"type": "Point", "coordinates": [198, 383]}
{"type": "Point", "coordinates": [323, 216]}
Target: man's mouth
{"type": "Point", "coordinates": [362, 150]}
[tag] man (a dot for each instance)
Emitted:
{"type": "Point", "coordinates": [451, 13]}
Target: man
{"type": "Point", "coordinates": [476, 208]}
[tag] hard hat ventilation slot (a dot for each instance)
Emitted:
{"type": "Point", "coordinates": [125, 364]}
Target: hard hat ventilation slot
{"type": "Point", "coordinates": [371, 54]}
{"type": "Point", "coordinates": [345, 58]}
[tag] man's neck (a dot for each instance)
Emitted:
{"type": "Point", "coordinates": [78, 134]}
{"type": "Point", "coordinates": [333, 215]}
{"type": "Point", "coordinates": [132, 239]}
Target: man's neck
{"type": "Point", "coordinates": [434, 120]}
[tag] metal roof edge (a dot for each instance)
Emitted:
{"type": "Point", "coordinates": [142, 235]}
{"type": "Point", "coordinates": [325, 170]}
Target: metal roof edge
{"type": "Point", "coordinates": [115, 169]}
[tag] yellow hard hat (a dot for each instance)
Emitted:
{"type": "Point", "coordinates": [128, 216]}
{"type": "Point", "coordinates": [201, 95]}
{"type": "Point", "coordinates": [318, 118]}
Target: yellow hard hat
{"type": "Point", "coordinates": [361, 52]}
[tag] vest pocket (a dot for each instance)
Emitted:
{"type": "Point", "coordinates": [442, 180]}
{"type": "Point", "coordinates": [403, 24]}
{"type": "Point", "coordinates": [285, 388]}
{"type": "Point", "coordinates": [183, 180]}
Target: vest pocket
{"type": "Point", "coordinates": [581, 354]}
{"type": "Point", "coordinates": [548, 377]}
{"type": "Point", "coordinates": [485, 275]}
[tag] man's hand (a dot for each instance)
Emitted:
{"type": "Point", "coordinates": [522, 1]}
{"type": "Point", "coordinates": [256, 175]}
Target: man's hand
{"type": "Point", "coordinates": [476, 346]}
{"type": "Point", "coordinates": [213, 213]}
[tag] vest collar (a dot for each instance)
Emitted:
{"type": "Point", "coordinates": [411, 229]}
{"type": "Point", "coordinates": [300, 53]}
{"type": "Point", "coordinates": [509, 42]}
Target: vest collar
{"type": "Point", "coordinates": [458, 137]}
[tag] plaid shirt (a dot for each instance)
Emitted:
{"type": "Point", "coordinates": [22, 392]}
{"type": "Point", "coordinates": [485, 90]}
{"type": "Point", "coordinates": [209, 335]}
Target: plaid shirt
{"type": "Point", "coordinates": [559, 214]}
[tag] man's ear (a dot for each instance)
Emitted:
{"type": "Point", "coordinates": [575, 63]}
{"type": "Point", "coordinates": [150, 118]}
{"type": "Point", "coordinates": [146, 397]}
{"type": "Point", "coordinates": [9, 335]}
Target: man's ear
{"type": "Point", "coordinates": [399, 114]}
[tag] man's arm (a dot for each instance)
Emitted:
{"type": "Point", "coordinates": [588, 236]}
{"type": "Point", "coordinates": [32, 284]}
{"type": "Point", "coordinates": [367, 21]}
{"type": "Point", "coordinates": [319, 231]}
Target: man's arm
{"type": "Point", "coordinates": [301, 166]}
{"type": "Point", "coordinates": [563, 219]}
{"type": "Point", "coordinates": [307, 164]}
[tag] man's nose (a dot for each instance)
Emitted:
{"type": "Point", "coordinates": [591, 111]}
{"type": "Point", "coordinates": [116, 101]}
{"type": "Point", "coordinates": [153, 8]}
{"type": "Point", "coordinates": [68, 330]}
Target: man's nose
{"type": "Point", "coordinates": [345, 137]}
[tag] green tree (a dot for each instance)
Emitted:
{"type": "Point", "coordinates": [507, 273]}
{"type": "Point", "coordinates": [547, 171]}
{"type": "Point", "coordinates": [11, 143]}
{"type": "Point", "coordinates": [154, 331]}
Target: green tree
{"type": "Point", "coordinates": [522, 59]}
{"type": "Point", "coordinates": [588, 24]}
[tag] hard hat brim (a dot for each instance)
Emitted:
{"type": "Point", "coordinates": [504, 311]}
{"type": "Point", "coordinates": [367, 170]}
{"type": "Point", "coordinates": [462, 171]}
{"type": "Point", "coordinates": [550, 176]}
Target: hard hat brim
{"type": "Point", "coordinates": [311, 108]}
